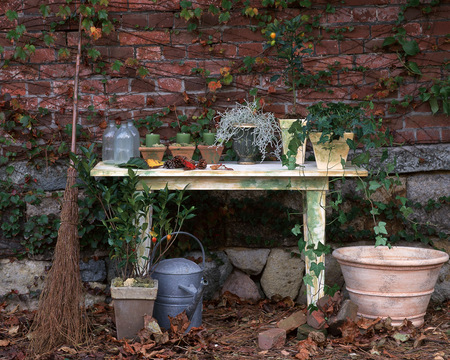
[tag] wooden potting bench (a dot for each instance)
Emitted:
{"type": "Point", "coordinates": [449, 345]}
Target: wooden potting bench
{"type": "Point", "coordinates": [268, 175]}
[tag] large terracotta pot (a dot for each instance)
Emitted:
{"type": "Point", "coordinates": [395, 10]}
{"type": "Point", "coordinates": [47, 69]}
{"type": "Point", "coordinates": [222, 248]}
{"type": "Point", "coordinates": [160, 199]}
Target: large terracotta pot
{"type": "Point", "coordinates": [329, 155]}
{"type": "Point", "coordinates": [395, 283]}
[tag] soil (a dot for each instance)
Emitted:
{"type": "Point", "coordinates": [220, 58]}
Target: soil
{"type": "Point", "coordinates": [230, 331]}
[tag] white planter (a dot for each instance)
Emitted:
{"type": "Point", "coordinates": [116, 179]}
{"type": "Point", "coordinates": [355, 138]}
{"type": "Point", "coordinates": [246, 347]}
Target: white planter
{"type": "Point", "coordinates": [329, 155]}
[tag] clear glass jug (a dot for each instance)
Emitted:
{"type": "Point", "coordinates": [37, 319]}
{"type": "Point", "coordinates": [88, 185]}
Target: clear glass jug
{"type": "Point", "coordinates": [123, 145]}
{"type": "Point", "coordinates": [108, 143]}
{"type": "Point", "coordinates": [136, 138]}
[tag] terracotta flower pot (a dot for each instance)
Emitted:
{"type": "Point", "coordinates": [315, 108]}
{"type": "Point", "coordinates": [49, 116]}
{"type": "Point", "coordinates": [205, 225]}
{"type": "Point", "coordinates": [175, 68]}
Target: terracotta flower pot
{"type": "Point", "coordinates": [211, 153]}
{"type": "Point", "coordinates": [395, 283]}
{"type": "Point", "coordinates": [153, 152]}
{"type": "Point", "coordinates": [329, 155]}
{"type": "Point", "coordinates": [130, 306]}
{"type": "Point", "coordinates": [187, 151]}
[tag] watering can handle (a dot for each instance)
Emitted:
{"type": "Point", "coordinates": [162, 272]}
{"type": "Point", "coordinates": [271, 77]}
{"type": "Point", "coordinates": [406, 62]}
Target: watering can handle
{"type": "Point", "coordinates": [176, 233]}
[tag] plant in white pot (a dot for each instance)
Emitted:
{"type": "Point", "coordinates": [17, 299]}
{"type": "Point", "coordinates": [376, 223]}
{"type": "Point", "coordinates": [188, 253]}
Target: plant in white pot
{"type": "Point", "coordinates": [331, 128]}
{"type": "Point", "coordinates": [129, 237]}
{"type": "Point", "coordinates": [253, 131]}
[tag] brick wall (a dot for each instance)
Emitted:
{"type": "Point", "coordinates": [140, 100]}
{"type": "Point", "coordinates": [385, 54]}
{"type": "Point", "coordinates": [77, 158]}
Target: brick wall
{"type": "Point", "coordinates": [155, 34]}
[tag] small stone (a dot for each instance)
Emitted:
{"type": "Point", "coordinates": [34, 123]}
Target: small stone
{"type": "Point", "coordinates": [316, 319]}
{"type": "Point", "coordinates": [304, 330]}
{"type": "Point", "coordinates": [241, 285]}
{"type": "Point", "coordinates": [318, 337]}
{"type": "Point", "coordinates": [272, 338]}
{"type": "Point", "coordinates": [293, 321]}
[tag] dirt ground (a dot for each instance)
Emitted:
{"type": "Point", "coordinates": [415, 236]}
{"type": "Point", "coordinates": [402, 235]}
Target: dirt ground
{"type": "Point", "coordinates": [230, 331]}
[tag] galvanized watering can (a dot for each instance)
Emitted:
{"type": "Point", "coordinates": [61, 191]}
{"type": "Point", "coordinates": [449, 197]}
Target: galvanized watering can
{"type": "Point", "coordinates": [180, 287]}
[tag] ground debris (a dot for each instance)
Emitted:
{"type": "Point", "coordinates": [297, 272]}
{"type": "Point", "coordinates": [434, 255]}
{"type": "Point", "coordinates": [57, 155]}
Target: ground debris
{"type": "Point", "coordinates": [230, 331]}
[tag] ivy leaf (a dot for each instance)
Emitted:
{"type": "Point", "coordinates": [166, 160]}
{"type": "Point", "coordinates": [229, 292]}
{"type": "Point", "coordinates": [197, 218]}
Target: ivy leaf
{"type": "Point", "coordinates": [373, 185]}
{"type": "Point", "coordinates": [48, 40]}
{"type": "Point", "coordinates": [12, 15]}
{"type": "Point", "coordinates": [226, 4]}
{"type": "Point", "coordinates": [305, 3]}
{"type": "Point", "coordinates": [93, 53]}
{"type": "Point", "coordinates": [413, 67]}
{"type": "Point", "coordinates": [224, 17]}
{"type": "Point", "coordinates": [308, 280]}
{"type": "Point", "coordinates": [380, 228]}
{"type": "Point", "coordinates": [142, 72]}
{"type": "Point", "coordinates": [410, 47]}
{"type": "Point", "coordinates": [117, 65]}
{"type": "Point", "coordinates": [44, 10]}
{"type": "Point", "coordinates": [213, 9]}
{"type": "Point", "coordinates": [434, 105]}
{"type": "Point", "coordinates": [389, 41]}
{"type": "Point", "coordinates": [9, 169]}
{"type": "Point", "coordinates": [185, 4]}
{"type": "Point", "coordinates": [317, 268]}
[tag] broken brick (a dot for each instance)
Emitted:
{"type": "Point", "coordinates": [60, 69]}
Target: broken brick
{"type": "Point", "coordinates": [272, 338]}
{"type": "Point", "coordinates": [348, 310]}
{"type": "Point", "coordinates": [316, 319]}
{"type": "Point", "coordinates": [293, 321]}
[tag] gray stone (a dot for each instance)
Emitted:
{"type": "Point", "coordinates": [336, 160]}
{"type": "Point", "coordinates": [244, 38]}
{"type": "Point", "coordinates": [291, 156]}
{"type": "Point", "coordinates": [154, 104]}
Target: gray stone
{"type": "Point", "coordinates": [283, 273]}
{"type": "Point", "coordinates": [348, 311]}
{"type": "Point", "coordinates": [217, 269]}
{"type": "Point", "coordinates": [48, 178]}
{"type": "Point", "coordinates": [22, 276]}
{"type": "Point", "coordinates": [250, 261]}
{"type": "Point", "coordinates": [93, 270]}
{"type": "Point", "coordinates": [48, 206]}
{"type": "Point", "coordinates": [240, 284]}
{"type": "Point", "coordinates": [95, 297]}
{"type": "Point", "coordinates": [417, 158]}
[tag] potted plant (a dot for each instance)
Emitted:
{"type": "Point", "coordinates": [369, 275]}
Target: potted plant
{"type": "Point", "coordinates": [331, 129]}
{"type": "Point", "coordinates": [253, 132]}
{"type": "Point", "coordinates": [153, 149]}
{"type": "Point", "coordinates": [129, 238]}
{"type": "Point", "coordinates": [208, 150]}
{"type": "Point", "coordinates": [182, 145]}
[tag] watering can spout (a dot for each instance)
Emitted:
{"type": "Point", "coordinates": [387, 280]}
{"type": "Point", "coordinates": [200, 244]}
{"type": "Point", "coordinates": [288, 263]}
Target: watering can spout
{"type": "Point", "coordinates": [190, 310]}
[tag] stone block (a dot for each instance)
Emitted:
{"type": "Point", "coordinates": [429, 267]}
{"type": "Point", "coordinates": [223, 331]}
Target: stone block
{"type": "Point", "coordinates": [240, 284]}
{"type": "Point", "coordinates": [272, 338]}
{"type": "Point", "coordinates": [93, 271]}
{"type": "Point", "coordinates": [293, 321]}
{"type": "Point", "coordinates": [250, 261]}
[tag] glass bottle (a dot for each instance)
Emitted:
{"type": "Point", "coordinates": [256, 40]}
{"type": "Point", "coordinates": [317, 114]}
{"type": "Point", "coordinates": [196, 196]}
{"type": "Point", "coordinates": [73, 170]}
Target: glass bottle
{"type": "Point", "coordinates": [108, 143]}
{"type": "Point", "coordinates": [136, 138]}
{"type": "Point", "coordinates": [123, 145]}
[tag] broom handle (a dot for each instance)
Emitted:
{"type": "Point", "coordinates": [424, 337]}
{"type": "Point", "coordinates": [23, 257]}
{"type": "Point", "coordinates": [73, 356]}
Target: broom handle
{"type": "Point", "coordinates": [75, 91]}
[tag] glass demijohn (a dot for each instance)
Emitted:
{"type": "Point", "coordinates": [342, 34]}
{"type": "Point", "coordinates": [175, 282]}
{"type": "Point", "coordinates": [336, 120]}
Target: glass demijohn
{"type": "Point", "coordinates": [108, 143]}
{"type": "Point", "coordinates": [123, 145]}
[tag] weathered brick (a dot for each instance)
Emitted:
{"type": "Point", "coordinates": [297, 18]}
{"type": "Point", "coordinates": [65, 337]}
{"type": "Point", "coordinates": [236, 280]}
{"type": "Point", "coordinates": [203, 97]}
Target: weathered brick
{"type": "Point", "coordinates": [170, 85]}
{"type": "Point", "coordinates": [250, 49]}
{"type": "Point", "coordinates": [327, 47]}
{"type": "Point", "coordinates": [341, 15]}
{"type": "Point", "coordinates": [293, 321]}
{"type": "Point", "coordinates": [405, 137]}
{"type": "Point", "coordinates": [132, 20]}
{"type": "Point", "coordinates": [316, 319]}
{"type": "Point", "coordinates": [428, 135]}
{"type": "Point", "coordinates": [39, 88]}
{"type": "Point", "coordinates": [118, 6]}
{"type": "Point", "coordinates": [362, 14]}
{"type": "Point", "coordinates": [351, 78]}
{"type": "Point", "coordinates": [149, 53]}
{"type": "Point", "coordinates": [378, 61]}
{"type": "Point", "coordinates": [389, 13]}
{"type": "Point", "coordinates": [317, 64]}
{"type": "Point", "coordinates": [174, 52]}
{"type": "Point", "coordinates": [121, 52]}
{"type": "Point", "coordinates": [144, 37]}
{"type": "Point", "coordinates": [351, 47]}
{"type": "Point", "coordinates": [426, 121]}
{"type": "Point", "coordinates": [272, 338]}
{"type": "Point", "coordinates": [445, 135]}
{"type": "Point", "coordinates": [114, 86]}
{"type": "Point", "coordinates": [381, 31]}
{"type": "Point", "coordinates": [14, 89]}
{"type": "Point", "coordinates": [91, 86]}
{"type": "Point", "coordinates": [142, 85]}
{"type": "Point", "coordinates": [162, 5]}
{"type": "Point", "coordinates": [241, 35]}
{"type": "Point", "coordinates": [161, 20]}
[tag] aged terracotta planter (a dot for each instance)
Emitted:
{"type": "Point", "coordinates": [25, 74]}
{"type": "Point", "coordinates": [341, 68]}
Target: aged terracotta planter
{"type": "Point", "coordinates": [395, 283]}
{"type": "Point", "coordinates": [187, 151]}
{"type": "Point", "coordinates": [210, 153]}
{"type": "Point", "coordinates": [153, 152]}
{"type": "Point", "coordinates": [130, 306]}
{"type": "Point", "coordinates": [329, 155]}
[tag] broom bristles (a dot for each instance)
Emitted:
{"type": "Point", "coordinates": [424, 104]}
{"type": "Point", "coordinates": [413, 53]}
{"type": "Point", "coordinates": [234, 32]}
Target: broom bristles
{"type": "Point", "coordinates": [61, 316]}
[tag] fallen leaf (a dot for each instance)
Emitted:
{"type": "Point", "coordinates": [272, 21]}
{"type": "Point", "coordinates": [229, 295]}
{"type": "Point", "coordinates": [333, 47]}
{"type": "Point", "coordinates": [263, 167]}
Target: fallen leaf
{"type": "Point", "coordinates": [179, 324]}
{"type": "Point", "coordinates": [68, 350]}
{"type": "Point", "coordinates": [4, 342]}
{"type": "Point", "coordinates": [12, 331]}
{"type": "Point", "coordinates": [401, 337]}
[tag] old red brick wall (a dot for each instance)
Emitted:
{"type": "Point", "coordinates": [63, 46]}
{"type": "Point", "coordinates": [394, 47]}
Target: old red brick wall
{"type": "Point", "coordinates": [155, 34]}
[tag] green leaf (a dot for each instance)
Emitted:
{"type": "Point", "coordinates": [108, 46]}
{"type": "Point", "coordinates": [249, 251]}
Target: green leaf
{"type": "Point", "coordinates": [226, 4]}
{"type": "Point", "coordinates": [389, 41]}
{"type": "Point", "coordinates": [308, 279]}
{"type": "Point", "coordinates": [411, 47]}
{"type": "Point", "coordinates": [224, 17]}
{"type": "Point", "coordinates": [10, 169]}
{"type": "Point", "coordinates": [44, 10]}
{"type": "Point", "coordinates": [12, 15]}
{"type": "Point", "coordinates": [117, 65]}
{"type": "Point", "coordinates": [413, 67]}
{"type": "Point", "coordinates": [135, 162]}
{"type": "Point", "coordinates": [434, 105]}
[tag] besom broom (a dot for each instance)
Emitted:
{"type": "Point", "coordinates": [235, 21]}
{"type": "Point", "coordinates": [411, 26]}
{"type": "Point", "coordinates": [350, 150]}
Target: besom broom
{"type": "Point", "coordinates": [61, 317]}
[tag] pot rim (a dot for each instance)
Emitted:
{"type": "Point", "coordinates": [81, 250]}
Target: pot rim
{"type": "Point", "coordinates": [347, 254]}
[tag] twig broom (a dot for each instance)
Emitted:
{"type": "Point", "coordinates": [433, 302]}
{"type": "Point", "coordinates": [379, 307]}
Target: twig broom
{"type": "Point", "coordinates": [61, 317]}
